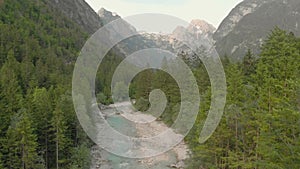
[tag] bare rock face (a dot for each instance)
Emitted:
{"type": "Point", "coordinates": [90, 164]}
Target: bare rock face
{"type": "Point", "coordinates": [199, 37]}
{"type": "Point", "coordinates": [107, 16]}
{"type": "Point", "coordinates": [250, 22]}
{"type": "Point", "coordinates": [79, 12]}
{"type": "Point", "coordinates": [236, 15]}
{"type": "Point", "coordinates": [200, 27]}
{"type": "Point", "coordinates": [197, 33]}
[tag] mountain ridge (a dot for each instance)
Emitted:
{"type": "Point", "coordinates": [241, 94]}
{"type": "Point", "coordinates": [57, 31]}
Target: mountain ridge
{"type": "Point", "coordinates": [80, 12]}
{"type": "Point", "coordinates": [249, 31]}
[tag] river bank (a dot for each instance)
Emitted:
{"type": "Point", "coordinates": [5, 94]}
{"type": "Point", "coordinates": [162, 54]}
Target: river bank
{"type": "Point", "coordinates": [147, 126]}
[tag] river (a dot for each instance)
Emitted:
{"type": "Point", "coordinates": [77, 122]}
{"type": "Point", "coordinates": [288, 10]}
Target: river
{"type": "Point", "coordinates": [102, 159]}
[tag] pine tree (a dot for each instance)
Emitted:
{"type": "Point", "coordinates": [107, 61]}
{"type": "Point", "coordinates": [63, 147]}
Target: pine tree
{"type": "Point", "coordinates": [233, 114]}
{"type": "Point", "coordinates": [249, 64]}
{"type": "Point", "coordinates": [22, 144]}
{"type": "Point", "coordinates": [120, 91]}
{"type": "Point", "coordinates": [42, 112]}
{"type": "Point", "coordinates": [143, 84]}
{"type": "Point", "coordinates": [276, 73]}
{"type": "Point", "coordinates": [10, 95]}
{"type": "Point", "coordinates": [81, 157]}
{"type": "Point", "coordinates": [60, 127]}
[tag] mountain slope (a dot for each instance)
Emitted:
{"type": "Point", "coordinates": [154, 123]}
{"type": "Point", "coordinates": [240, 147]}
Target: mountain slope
{"type": "Point", "coordinates": [198, 34]}
{"type": "Point", "coordinates": [249, 23]}
{"type": "Point", "coordinates": [38, 48]}
{"type": "Point", "coordinates": [107, 16]}
{"type": "Point", "coordinates": [195, 33]}
{"type": "Point", "coordinates": [80, 12]}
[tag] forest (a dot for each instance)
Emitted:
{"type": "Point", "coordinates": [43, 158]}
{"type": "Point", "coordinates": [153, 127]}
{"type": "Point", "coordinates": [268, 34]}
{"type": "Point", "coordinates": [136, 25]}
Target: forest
{"type": "Point", "coordinates": [38, 48]}
{"type": "Point", "coordinates": [260, 128]}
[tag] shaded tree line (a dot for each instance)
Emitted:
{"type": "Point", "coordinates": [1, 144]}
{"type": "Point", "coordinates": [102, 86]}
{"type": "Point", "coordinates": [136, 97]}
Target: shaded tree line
{"type": "Point", "coordinates": [260, 127]}
{"type": "Point", "coordinates": [39, 128]}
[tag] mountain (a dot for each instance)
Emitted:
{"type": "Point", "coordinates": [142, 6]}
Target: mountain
{"type": "Point", "coordinates": [182, 41]}
{"type": "Point", "coordinates": [38, 48]}
{"type": "Point", "coordinates": [198, 34]}
{"type": "Point", "coordinates": [250, 22]}
{"type": "Point", "coordinates": [195, 33]}
{"type": "Point", "coordinates": [107, 16]}
{"type": "Point", "coordinates": [80, 12]}
{"type": "Point", "coordinates": [201, 27]}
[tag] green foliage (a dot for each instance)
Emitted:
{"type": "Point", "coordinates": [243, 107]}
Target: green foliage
{"type": "Point", "coordinates": [38, 48]}
{"type": "Point", "coordinates": [22, 144]}
{"type": "Point", "coordinates": [59, 127]}
{"type": "Point", "coordinates": [278, 74]}
{"type": "Point", "coordinates": [104, 77]}
{"type": "Point", "coordinates": [120, 92]}
{"type": "Point", "coordinates": [150, 79]}
{"type": "Point", "coordinates": [11, 95]}
{"type": "Point", "coordinates": [260, 127]}
{"type": "Point", "coordinates": [249, 64]}
{"type": "Point", "coordinates": [81, 157]}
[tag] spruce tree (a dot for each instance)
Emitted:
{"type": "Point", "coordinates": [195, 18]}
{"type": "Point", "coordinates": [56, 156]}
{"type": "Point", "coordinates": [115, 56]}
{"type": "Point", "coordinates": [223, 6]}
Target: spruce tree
{"type": "Point", "coordinates": [22, 144]}
{"type": "Point", "coordinates": [59, 127]}
{"type": "Point", "coordinates": [42, 112]}
{"type": "Point", "coordinates": [276, 75]}
{"type": "Point", "coordinates": [10, 93]}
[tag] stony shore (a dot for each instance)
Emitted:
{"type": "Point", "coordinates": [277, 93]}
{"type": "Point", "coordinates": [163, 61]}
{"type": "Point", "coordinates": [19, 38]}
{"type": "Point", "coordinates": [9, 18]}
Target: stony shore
{"type": "Point", "coordinates": [146, 126]}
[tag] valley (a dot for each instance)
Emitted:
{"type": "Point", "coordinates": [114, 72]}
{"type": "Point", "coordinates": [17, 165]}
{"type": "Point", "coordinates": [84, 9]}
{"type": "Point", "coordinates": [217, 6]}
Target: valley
{"type": "Point", "coordinates": [258, 44]}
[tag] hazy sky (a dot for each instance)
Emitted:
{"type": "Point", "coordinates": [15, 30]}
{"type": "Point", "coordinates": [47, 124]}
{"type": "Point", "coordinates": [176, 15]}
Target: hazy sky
{"type": "Point", "coordinates": [213, 11]}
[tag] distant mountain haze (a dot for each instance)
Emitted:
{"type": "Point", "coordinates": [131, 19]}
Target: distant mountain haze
{"type": "Point", "coordinates": [245, 27]}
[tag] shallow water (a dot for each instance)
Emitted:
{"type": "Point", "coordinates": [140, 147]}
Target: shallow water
{"type": "Point", "coordinates": [111, 161]}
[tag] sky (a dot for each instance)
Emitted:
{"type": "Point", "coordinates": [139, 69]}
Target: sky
{"type": "Point", "coordinates": [212, 11]}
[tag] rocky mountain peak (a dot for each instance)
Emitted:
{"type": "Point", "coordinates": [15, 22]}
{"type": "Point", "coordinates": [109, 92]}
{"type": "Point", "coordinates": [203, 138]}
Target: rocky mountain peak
{"type": "Point", "coordinates": [198, 30]}
{"type": "Point", "coordinates": [201, 25]}
{"type": "Point", "coordinates": [107, 16]}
